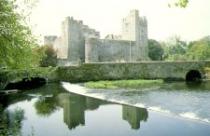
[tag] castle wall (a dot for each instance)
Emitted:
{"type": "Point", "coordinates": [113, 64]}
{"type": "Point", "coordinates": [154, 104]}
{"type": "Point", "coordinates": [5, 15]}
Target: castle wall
{"type": "Point", "coordinates": [92, 47]}
{"type": "Point", "coordinates": [75, 42]}
{"type": "Point", "coordinates": [62, 43]}
{"type": "Point", "coordinates": [79, 43]}
{"type": "Point", "coordinates": [73, 38]}
{"type": "Point", "coordinates": [61, 49]}
{"type": "Point", "coordinates": [116, 51]}
{"type": "Point", "coordinates": [104, 50]}
{"type": "Point", "coordinates": [143, 40]}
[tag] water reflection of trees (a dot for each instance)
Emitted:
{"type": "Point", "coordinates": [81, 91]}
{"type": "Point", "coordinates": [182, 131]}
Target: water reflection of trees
{"type": "Point", "coordinates": [46, 103]}
{"type": "Point", "coordinates": [187, 86]}
{"type": "Point", "coordinates": [45, 106]}
{"type": "Point", "coordinates": [10, 122]}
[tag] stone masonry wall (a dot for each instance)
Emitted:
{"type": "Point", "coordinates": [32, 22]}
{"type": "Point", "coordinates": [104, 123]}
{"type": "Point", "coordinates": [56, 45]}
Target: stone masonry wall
{"type": "Point", "coordinates": [70, 46]}
{"type": "Point", "coordinates": [98, 50]}
{"type": "Point", "coordinates": [110, 71]}
{"type": "Point", "coordinates": [121, 71]}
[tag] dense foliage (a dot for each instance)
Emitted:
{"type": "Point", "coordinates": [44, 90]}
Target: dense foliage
{"type": "Point", "coordinates": [180, 3]}
{"type": "Point", "coordinates": [45, 106]}
{"type": "Point", "coordinates": [199, 50]}
{"type": "Point", "coordinates": [155, 50]}
{"type": "Point", "coordinates": [16, 39]}
{"type": "Point", "coordinates": [10, 122]}
{"type": "Point", "coordinates": [48, 57]}
{"type": "Point", "coordinates": [176, 49]}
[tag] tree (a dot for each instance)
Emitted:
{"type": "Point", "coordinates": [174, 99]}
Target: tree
{"type": "Point", "coordinates": [49, 56]}
{"type": "Point", "coordinates": [16, 39]}
{"type": "Point", "coordinates": [11, 122]}
{"type": "Point", "coordinates": [155, 50]}
{"type": "Point", "coordinates": [199, 50]}
{"type": "Point", "coordinates": [180, 3]}
{"type": "Point", "coordinates": [175, 49]}
{"type": "Point", "coordinates": [45, 106]}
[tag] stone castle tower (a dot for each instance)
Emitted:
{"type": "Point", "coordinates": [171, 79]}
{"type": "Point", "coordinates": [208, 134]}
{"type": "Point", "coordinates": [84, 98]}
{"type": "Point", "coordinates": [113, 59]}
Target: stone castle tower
{"type": "Point", "coordinates": [134, 28]}
{"type": "Point", "coordinates": [79, 43]}
{"type": "Point", "coordinates": [71, 45]}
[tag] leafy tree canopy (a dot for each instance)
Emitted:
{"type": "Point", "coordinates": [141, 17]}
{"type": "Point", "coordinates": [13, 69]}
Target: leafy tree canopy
{"type": "Point", "coordinates": [45, 106]}
{"type": "Point", "coordinates": [16, 39]}
{"type": "Point", "coordinates": [199, 50]}
{"type": "Point", "coordinates": [155, 50]}
{"type": "Point", "coordinates": [175, 49]}
{"type": "Point", "coordinates": [180, 3]}
{"type": "Point", "coordinates": [49, 56]}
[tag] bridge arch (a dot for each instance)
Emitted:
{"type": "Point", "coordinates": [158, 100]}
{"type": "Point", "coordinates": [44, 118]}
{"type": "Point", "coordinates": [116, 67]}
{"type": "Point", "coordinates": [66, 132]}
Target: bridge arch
{"type": "Point", "coordinates": [27, 83]}
{"type": "Point", "coordinates": [193, 76]}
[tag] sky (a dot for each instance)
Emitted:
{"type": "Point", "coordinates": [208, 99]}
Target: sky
{"type": "Point", "coordinates": [191, 23]}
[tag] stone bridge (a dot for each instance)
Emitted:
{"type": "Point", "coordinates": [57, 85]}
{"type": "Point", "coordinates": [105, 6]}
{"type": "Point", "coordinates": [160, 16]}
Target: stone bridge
{"type": "Point", "coordinates": [8, 76]}
{"type": "Point", "coordinates": [183, 70]}
{"type": "Point", "coordinates": [190, 71]}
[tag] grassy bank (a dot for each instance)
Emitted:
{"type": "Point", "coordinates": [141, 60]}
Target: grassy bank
{"type": "Point", "coordinates": [122, 84]}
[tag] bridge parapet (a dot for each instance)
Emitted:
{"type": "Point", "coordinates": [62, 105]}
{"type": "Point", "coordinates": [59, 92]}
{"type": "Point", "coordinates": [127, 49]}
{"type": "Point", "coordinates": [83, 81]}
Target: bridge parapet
{"type": "Point", "coordinates": [134, 70]}
{"type": "Point", "coordinates": [112, 71]}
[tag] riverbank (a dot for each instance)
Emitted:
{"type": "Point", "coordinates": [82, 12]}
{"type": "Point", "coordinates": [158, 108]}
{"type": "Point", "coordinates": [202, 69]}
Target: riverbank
{"type": "Point", "coordinates": [122, 84]}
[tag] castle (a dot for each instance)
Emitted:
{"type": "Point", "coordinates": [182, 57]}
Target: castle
{"type": "Point", "coordinates": [80, 44]}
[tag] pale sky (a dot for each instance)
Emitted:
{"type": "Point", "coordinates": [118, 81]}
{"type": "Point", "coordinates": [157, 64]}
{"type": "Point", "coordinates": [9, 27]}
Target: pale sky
{"type": "Point", "coordinates": [105, 16]}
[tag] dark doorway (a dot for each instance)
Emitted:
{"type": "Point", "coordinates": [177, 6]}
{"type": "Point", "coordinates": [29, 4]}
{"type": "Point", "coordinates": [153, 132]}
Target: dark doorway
{"type": "Point", "coordinates": [193, 76]}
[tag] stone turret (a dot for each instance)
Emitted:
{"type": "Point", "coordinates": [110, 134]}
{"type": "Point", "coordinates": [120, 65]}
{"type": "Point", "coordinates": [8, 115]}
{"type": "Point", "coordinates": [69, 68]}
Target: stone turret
{"type": "Point", "coordinates": [143, 44]}
{"type": "Point", "coordinates": [73, 36]}
{"type": "Point", "coordinates": [134, 28]}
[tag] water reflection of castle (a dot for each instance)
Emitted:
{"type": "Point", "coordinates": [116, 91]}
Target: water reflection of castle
{"type": "Point", "coordinates": [134, 115]}
{"type": "Point", "coordinates": [74, 114]}
{"type": "Point", "coordinates": [75, 106]}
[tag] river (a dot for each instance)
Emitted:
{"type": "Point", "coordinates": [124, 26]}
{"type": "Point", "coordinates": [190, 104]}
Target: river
{"type": "Point", "coordinates": [70, 109]}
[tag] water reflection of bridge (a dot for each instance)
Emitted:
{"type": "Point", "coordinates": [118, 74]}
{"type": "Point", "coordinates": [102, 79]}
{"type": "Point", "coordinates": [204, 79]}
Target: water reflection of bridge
{"type": "Point", "coordinates": [74, 107]}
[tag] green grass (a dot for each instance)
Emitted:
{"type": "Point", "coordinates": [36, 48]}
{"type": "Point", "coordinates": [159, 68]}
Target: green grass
{"type": "Point", "coordinates": [122, 84]}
